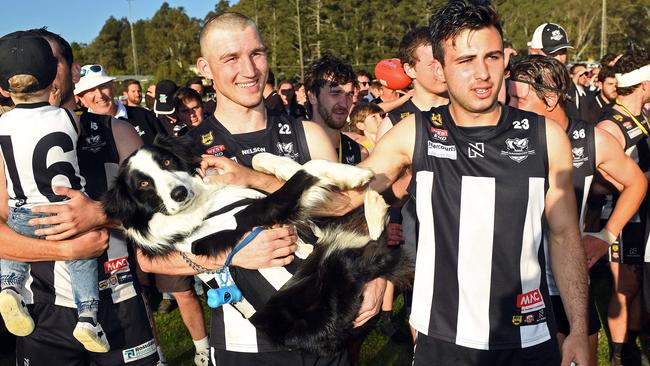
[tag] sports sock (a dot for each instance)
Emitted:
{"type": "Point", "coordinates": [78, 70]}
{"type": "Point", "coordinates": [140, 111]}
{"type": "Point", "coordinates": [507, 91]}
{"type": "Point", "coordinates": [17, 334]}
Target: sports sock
{"type": "Point", "coordinates": [201, 344]}
{"type": "Point", "coordinates": [617, 348]}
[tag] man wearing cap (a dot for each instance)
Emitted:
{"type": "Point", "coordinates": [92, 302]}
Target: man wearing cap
{"type": "Point", "coordinates": [550, 39]}
{"type": "Point", "coordinates": [165, 110]}
{"type": "Point", "coordinates": [95, 89]}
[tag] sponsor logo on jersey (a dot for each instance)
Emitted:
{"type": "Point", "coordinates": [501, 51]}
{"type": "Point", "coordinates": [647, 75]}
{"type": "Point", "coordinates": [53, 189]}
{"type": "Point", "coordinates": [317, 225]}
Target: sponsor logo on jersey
{"type": "Point", "coordinates": [207, 138]}
{"type": "Point", "coordinates": [517, 149]}
{"type": "Point", "coordinates": [438, 134]}
{"type": "Point", "coordinates": [530, 301]}
{"type": "Point", "coordinates": [579, 157]}
{"type": "Point", "coordinates": [476, 150]}
{"type": "Point", "coordinates": [139, 352]}
{"type": "Point", "coordinates": [436, 119]}
{"type": "Point", "coordinates": [253, 150]}
{"type": "Point", "coordinates": [93, 143]}
{"type": "Point", "coordinates": [115, 265]}
{"type": "Point", "coordinates": [216, 150]}
{"type": "Point", "coordinates": [112, 280]}
{"type": "Point", "coordinates": [123, 278]}
{"type": "Point", "coordinates": [441, 151]}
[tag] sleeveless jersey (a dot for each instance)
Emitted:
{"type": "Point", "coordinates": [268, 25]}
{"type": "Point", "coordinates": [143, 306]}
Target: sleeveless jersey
{"type": "Point", "coordinates": [283, 136]}
{"type": "Point", "coordinates": [49, 282]}
{"type": "Point", "coordinates": [350, 151]}
{"type": "Point", "coordinates": [480, 195]}
{"type": "Point", "coordinates": [402, 112]}
{"type": "Point", "coordinates": [632, 133]}
{"type": "Point", "coordinates": [38, 143]}
{"type": "Point", "coordinates": [583, 148]}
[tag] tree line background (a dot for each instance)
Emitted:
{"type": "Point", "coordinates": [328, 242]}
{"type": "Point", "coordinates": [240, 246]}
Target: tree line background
{"type": "Point", "coordinates": [361, 31]}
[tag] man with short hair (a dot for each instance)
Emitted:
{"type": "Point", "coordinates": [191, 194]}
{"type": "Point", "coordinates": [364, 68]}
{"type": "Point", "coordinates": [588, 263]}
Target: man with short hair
{"type": "Point", "coordinates": [95, 89]}
{"type": "Point", "coordinates": [487, 179]}
{"type": "Point", "coordinates": [550, 39]}
{"type": "Point", "coordinates": [606, 96]}
{"type": "Point", "coordinates": [578, 108]}
{"type": "Point", "coordinates": [132, 92]}
{"type": "Point", "coordinates": [363, 83]}
{"type": "Point", "coordinates": [196, 83]}
{"type": "Point", "coordinates": [540, 84]}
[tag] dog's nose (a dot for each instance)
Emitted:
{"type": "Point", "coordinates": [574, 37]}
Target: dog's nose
{"type": "Point", "coordinates": [179, 194]}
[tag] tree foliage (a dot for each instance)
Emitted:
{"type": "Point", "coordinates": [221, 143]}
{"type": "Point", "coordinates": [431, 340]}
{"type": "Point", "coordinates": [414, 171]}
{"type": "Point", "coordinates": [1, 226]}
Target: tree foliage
{"type": "Point", "coordinates": [360, 31]}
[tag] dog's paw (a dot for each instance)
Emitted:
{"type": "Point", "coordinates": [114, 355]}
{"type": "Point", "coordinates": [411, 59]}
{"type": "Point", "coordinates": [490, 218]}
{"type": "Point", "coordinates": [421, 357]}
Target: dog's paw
{"type": "Point", "coordinates": [374, 209]}
{"type": "Point", "coordinates": [341, 176]}
{"type": "Point", "coordinates": [304, 250]}
{"type": "Point", "coordinates": [279, 166]}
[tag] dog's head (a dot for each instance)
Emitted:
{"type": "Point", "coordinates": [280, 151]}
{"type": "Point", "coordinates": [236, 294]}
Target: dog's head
{"type": "Point", "coordinates": [156, 179]}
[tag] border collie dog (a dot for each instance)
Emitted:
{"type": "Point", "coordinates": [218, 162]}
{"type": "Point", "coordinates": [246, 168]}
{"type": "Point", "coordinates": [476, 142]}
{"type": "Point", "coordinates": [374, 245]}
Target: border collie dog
{"type": "Point", "coordinates": [164, 205]}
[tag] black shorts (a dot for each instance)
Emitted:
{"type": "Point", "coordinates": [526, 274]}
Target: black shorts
{"type": "Point", "coordinates": [432, 351]}
{"type": "Point", "coordinates": [562, 322]}
{"type": "Point", "coordinates": [281, 358]}
{"type": "Point", "coordinates": [630, 247]}
{"type": "Point", "coordinates": [126, 325]}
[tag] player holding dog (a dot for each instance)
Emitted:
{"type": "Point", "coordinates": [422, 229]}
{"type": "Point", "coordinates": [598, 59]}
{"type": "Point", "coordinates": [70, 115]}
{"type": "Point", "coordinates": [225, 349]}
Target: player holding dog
{"type": "Point", "coordinates": [484, 177]}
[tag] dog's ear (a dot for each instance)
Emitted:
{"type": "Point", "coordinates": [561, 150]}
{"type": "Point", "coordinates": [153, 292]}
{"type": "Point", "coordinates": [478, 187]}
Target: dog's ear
{"type": "Point", "coordinates": [183, 147]}
{"type": "Point", "coordinates": [117, 202]}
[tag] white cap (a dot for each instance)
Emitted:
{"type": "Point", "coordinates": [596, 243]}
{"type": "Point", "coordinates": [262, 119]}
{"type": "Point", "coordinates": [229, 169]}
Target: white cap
{"type": "Point", "coordinates": [91, 76]}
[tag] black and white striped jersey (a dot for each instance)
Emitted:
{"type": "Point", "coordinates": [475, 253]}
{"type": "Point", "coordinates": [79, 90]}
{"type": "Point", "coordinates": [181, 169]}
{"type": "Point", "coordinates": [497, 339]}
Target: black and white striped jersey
{"type": "Point", "coordinates": [283, 136]}
{"type": "Point", "coordinates": [38, 143]}
{"type": "Point", "coordinates": [480, 196]}
{"type": "Point", "coordinates": [583, 148]}
{"type": "Point", "coordinates": [49, 282]}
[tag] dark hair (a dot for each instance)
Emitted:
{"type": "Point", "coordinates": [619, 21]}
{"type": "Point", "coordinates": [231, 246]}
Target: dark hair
{"type": "Point", "coordinates": [129, 82]}
{"type": "Point", "coordinates": [607, 59]}
{"type": "Point", "coordinates": [544, 74]}
{"type": "Point", "coordinates": [376, 84]}
{"type": "Point", "coordinates": [359, 114]}
{"type": "Point", "coordinates": [184, 94]}
{"type": "Point", "coordinates": [330, 69]}
{"type": "Point", "coordinates": [630, 61]}
{"type": "Point", "coordinates": [457, 16]}
{"type": "Point", "coordinates": [194, 80]}
{"type": "Point", "coordinates": [410, 42]}
{"type": "Point", "coordinates": [573, 68]}
{"type": "Point", "coordinates": [62, 46]}
{"type": "Point", "coordinates": [606, 72]}
{"type": "Point", "coordinates": [364, 73]}
{"type": "Point", "coordinates": [271, 78]}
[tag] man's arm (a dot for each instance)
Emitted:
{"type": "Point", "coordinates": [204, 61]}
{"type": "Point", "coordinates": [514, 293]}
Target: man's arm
{"type": "Point", "coordinates": [568, 259]}
{"type": "Point", "coordinates": [612, 128]}
{"type": "Point", "coordinates": [611, 160]}
{"type": "Point", "coordinates": [318, 142]}
{"type": "Point", "coordinates": [270, 248]}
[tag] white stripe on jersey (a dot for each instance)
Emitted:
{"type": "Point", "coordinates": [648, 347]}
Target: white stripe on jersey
{"type": "Point", "coordinates": [426, 256]}
{"type": "Point", "coordinates": [240, 334]}
{"type": "Point", "coordinates": [63, 295]}
{"type": "Point", "coordinates": [276, 276]}
{"type": "Point", "coordinates": [475, 244]}
{"type": "Point", "coordinates": [583, 204]}
{"type": "Point", "coordinates": [531, 274]}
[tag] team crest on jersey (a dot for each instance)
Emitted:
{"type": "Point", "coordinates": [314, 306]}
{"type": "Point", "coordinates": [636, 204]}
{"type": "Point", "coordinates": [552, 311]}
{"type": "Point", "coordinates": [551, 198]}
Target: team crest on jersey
{"type": "Point", "coordinates": [207, 138]}
{"type": "Point", "coordinates": [139, 131]}
{"type": "Point", "coordinates": [93, 143]}
{"type": "Point", "coordinates": [286, 149]}
{"type": "Point", "coordinates": [404, 115]}
{"type": "Point", "coordinates": [436, 119]}
{"type": "Point", "coordinates": [441, 151]}
{"type": "Point", "coordinates": [579, 157]}
{"type": "Point", "coordinates": [618, 117]}
{"type": "Point", "coordinates": [516, 319]}
{"type": "Point", "coordinates": [517, 149]}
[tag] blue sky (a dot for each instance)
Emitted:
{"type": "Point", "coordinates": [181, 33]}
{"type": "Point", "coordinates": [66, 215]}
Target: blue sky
{"type": "Point", "coordinates": [80, 21]}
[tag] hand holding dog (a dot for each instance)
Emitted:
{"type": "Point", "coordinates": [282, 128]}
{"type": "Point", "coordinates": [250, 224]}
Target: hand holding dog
{"type": "Point", "coordinates": [271, 248]}
{"type": "Point", "coordinates": [78, 215]}
{"type": "Point", "coordinates": [373, 294]}
{"type": "Point", "coordinates": [220, 170]}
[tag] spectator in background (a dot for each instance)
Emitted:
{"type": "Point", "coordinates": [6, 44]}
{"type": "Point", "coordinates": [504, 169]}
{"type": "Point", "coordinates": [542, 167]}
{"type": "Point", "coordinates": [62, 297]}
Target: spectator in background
{"type": "Point", "coordinates": [364, 123]}
{"type": "Point", "coordinates": [550, 39]}
{"type": "Point", "coordinates": [578, 106]}
{"type": "Point", "coordinates": [376, 90]}
{"type": "Point", "coordinates": [150, 97]}
{"type": "Point", "coordinates": [196, 83]}
{"type": "Point", "coordinates": [95, 90]}
{"type": "Point", "coordinates": [606, 95]}
{"type": "Point", "coordinates": [165, 110]}
{"type": "Point", "coordinates": [364, 79]}
{"type": "Point", "coordinates": [189, 107]}
{"type": "Point", "coordinates": [289, 103]}
{"type": "Point", "coordinates": [132, 92]}
{"type": "Point", "coordinates": [272, 99]}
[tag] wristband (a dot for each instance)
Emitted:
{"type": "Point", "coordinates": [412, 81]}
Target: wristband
{"type": "Point", "coordinates": [604, 235]}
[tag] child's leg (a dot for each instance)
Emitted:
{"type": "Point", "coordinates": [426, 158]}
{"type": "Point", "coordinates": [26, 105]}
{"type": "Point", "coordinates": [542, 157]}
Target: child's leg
{"type": "Point", "coordinates": [83, 274]}
{"type": "Point", "coordinates": [12, 277]}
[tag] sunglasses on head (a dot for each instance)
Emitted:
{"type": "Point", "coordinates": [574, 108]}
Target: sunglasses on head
{"type": "Point", "coordinates": [93, 68]}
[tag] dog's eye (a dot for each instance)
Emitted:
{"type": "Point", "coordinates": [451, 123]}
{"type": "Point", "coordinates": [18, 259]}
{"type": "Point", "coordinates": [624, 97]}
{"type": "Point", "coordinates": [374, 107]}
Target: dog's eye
{"type": "Point", "coordinates": [167, 162]}
{"type": "Point", "coordinates": [144, 183]}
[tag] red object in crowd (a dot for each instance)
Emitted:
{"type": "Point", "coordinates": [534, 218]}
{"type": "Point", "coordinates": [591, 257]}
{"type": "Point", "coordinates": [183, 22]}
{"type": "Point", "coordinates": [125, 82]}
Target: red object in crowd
{"type": "Point", "coordinates": [391, 74]}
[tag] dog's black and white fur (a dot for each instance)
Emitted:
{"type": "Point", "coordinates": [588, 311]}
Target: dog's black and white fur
{"type": "Point", "coordinates": [163, 204]}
